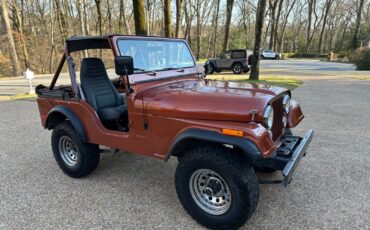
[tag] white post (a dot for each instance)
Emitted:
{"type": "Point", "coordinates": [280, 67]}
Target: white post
{"type": "Point", "coordinates": [28, 74]}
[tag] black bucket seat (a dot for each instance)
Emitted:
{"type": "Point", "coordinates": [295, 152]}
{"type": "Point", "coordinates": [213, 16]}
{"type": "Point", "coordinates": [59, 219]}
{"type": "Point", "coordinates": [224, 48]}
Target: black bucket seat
{"type": "Point", "coordinates": [100, 92]}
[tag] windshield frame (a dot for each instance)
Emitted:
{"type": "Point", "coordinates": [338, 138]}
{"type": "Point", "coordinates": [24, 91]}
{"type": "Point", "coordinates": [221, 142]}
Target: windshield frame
{"type": "Point", "coordinates": [161, 40]}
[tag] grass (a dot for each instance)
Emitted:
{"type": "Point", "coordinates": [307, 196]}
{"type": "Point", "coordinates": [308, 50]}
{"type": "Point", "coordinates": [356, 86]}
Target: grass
{"type": "Point", "coordinates": [362, 78]}
{"type": "Point", "coordinates": [24, 97]}
{"type": "Point", "coordinates": [284, 82]}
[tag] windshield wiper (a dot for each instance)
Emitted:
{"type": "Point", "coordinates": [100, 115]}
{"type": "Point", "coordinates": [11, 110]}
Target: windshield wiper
{"type": "Point", "coordinates": [150, 72]}
{"type": "Point", "coordinates": [180, 69]}
{"type": "Point", "coordinates": [139, 69]}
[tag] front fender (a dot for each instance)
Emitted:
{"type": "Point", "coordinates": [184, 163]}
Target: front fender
{"type": "Point", "coordinates": [247, 147]}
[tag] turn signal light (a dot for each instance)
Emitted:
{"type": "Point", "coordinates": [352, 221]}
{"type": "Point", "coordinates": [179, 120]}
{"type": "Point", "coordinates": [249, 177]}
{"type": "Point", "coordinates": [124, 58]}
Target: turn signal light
{"type": "Point", "coordinates": [233, 132]}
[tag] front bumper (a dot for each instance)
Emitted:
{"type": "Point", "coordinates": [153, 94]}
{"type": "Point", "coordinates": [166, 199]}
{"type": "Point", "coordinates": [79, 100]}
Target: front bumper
{"type": "Point", "coordinates": [287, 157]}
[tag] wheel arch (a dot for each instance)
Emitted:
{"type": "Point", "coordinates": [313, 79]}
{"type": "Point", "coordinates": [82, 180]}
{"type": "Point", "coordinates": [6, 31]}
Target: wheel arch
{"type": "Point", "coordinates": [61, 113]}
{"type": "Point", "coordinates": [238, 62]}
{"type": "Point", "coordinates": [193, 138]}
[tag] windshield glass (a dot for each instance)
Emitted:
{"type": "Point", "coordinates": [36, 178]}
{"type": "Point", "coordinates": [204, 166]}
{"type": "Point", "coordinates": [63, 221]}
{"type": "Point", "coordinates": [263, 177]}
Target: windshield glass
{"type": "Point", "coordinates": [156, 55]}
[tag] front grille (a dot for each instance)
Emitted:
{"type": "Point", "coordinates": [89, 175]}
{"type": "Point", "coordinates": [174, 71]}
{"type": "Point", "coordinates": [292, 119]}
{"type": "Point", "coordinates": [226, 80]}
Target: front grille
{"type": "Point", "coordinates": [277, 127]}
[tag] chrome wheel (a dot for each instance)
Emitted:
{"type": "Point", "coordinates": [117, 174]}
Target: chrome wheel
{"type": "Point", "coordinates": [210, 191]}
{"type": "Point", "coordinates": [67, 151]}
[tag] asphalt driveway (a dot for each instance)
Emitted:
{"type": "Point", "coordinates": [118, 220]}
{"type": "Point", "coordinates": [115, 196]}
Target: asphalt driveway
{"type": "Point", "coordinates": [330, 189]}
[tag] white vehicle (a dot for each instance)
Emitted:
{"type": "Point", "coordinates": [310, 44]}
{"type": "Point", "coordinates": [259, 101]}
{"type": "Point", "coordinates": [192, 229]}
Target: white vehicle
{"type": "Point", "coordinates": [270, 54]}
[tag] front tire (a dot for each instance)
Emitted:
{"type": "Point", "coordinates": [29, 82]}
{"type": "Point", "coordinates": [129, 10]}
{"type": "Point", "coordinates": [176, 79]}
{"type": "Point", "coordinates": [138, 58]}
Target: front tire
{"type": "Point", "coordinates": [216, 188]}
{"type": "Point", "coordinates": [76, 158]}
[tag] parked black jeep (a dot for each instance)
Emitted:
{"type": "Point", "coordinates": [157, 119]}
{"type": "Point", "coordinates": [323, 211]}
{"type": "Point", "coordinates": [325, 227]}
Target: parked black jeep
{"type": "Point", "coordinates": [235, 60]}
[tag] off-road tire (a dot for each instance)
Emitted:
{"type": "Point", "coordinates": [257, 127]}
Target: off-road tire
{"type": "Point", "coordinates": [237, 68]}
{"type": "Point", "coordinates": [239, 176]}
{"type": "Point", "coordinates": [87, 155]}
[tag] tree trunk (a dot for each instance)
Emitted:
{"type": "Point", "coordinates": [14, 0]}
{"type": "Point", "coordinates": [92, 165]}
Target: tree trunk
{"type": "Point", "coordinates": [9, 36]}
{"type": "Point", "coordinates": [311, 5]}
{"type": "Point", "coordinates": [61, 21]}
{"type": "Point", "coordinates": [277, 24]}
{"type": "Point", "coordinates": [229, 11]}
{"type": "Point", "coordinates": [215, 31]}
{"type": "Point", "coordinates": [260, 17]}
{"type": "Point", "coordinates": [273, 5]}
{"type": "Point", "coordinates": [52, 40]}
{"type": "Point", "coordinates": [188, 21]}
{"type": "Point", "coordinates": [98, 9]}
{"type": "Point", "coordinates": [167, 18]}
{"type": "Point", "coordinates": [199, 21]}
{"type": "Point", "coordinates": [100, 26]}
{"type": "Point", "coordinates": [179, 5]}
{"type": "Point", "coordinates": [109, 17]}
{"type": "Point", "coordinates": [139, 16]}
{"type": "Point", "coordinates": [357, 26]}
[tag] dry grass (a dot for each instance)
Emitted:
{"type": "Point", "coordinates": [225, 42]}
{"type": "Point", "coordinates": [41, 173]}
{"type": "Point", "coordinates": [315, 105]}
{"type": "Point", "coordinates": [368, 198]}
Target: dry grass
{"type": "Point", "coordinates": [24, 97]}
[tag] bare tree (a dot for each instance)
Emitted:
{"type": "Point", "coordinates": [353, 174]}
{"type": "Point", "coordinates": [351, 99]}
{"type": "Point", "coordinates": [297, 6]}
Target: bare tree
{"type": "Point", "coordinates": [140, 19]}
{"type": "Point", "coordinates": [260, 17]}
{"type": "Point", "coordinates": [61, 21]}
{"type": "Point", "coordinates": [229, 11]}
{"type": "Point", "coordinates": [123, 18]}
{"type": "Point", "coordinates": [19, 27]}
{"type": "Point", "coordinates": [327, 6]}
{"type": "Point", "coordinates": [9, 36]}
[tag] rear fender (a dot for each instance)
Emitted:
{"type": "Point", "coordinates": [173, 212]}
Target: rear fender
{"type": "Point", "coordinates": [61, 113]}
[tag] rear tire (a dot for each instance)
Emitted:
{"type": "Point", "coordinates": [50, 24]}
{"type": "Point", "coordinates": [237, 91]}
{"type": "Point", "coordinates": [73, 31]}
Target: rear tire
{"type": "Point", "coordinates": [216, 187]}
{"type": "Point", "coordinates": [237, 68]}
{"type": "Point", "coordinates": [76, 158]}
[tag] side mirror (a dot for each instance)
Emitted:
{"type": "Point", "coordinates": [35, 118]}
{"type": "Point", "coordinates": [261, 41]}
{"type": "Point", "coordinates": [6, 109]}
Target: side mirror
{"type": "Point", "coordinates": [124, 65]}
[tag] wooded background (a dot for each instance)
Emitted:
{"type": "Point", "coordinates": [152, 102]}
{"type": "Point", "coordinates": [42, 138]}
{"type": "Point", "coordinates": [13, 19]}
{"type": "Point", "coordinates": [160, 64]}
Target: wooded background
{"type": "Point", "coordinates": [32, 32]}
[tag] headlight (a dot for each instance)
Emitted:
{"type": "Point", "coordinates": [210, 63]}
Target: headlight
{"type": "Point", "coordinates": [286, 103]}
{"type": "Point", "coordinates": [268, 117]}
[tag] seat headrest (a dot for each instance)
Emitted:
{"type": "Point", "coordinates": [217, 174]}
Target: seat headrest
{"type": "Point", "coordinates": [89, 66]}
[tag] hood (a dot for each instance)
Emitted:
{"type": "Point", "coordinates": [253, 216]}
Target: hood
{"type": "Point", "coordinates": [209, 100]}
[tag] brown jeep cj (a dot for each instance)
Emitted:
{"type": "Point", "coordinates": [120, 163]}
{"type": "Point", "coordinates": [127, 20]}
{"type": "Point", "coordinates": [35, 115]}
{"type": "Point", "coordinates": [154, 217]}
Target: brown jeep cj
{"type": "Point", "coordinates": [160, 106]}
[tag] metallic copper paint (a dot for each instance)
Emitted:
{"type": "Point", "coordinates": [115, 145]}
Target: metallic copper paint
{"type": "Point", "coordinates": [176, 101]}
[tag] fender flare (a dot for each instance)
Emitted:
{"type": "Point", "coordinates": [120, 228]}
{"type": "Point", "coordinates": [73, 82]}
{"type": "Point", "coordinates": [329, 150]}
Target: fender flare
{"type": "Point", "coordinates": [68, 115]}
{"type": "Point", "coordinates": [247, 146]}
